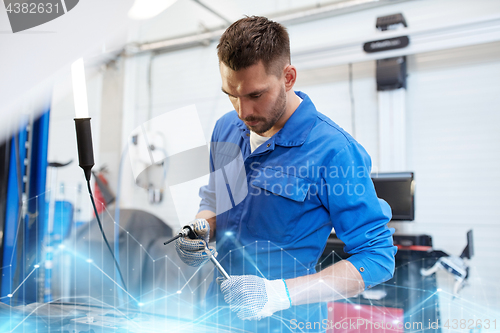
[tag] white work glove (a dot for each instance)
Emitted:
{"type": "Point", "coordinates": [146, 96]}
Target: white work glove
{"type": "Point", "coordinates": [193, 251]}
{"type": "Point", "coordinates": [253, 297]}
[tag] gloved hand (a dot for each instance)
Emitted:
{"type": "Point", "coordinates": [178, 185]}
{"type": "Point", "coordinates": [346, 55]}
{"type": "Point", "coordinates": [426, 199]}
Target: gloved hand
{"type": "Point", "coordinates": [253, 297]}
{"type": "Point", "coordinates": [193, 251]}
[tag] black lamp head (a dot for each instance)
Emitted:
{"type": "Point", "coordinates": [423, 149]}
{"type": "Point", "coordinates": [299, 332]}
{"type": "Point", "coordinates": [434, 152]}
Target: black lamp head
{"type": "Point", "coordinates": [84, 142]}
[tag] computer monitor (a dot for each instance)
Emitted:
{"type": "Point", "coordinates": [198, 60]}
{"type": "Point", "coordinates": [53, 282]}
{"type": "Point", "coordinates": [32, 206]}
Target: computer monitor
{"type": "Point", "coordinates": [397, 189]}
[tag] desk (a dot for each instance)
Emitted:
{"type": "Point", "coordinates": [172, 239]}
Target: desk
{"type": "Point", "coordinates": [409, 297]}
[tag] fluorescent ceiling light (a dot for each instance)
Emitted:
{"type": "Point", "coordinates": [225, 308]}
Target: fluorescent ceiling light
{"type": "Point", "coordinates": [146, 9]}
{"type": "Point", "coordinates": [79, 89]}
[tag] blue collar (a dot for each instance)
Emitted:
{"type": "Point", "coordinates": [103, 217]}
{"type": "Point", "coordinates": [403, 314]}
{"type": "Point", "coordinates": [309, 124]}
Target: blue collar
{"type": "Point", "coordinates": [300, 123]}
{"type": "Point", "coordinates": [297, 127]}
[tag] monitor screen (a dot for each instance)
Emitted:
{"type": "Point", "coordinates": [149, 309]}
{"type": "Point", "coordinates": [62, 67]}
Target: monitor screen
{"type": "Point", "coordinates": [397, 189]}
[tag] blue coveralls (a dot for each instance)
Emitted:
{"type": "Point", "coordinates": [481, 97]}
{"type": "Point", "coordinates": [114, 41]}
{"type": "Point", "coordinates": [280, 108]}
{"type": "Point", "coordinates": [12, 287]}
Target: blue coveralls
{"type": "Point", "coordinates": [277, 206]}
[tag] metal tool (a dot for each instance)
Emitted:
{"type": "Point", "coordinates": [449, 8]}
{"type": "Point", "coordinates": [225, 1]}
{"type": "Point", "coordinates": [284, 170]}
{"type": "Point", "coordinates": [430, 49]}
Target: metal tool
{"type": "Point", "coordinates": [187, 231]}
{"type": "Point", "coordinates": [216, 263]}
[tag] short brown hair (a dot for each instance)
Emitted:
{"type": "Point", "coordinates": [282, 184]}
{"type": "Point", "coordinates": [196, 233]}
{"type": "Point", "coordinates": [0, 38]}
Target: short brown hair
{"type": "Point", "coordinates": [253, 39]}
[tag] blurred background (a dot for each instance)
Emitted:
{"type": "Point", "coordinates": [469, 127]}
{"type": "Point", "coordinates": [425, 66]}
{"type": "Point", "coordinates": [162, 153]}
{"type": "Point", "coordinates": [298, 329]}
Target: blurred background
{"type": "Point", "coordinates": [427, 113]}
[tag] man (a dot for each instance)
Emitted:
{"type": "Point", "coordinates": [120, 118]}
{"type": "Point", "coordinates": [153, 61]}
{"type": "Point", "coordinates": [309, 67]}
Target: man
{"type": "Point", "coordinates": [304, 175]}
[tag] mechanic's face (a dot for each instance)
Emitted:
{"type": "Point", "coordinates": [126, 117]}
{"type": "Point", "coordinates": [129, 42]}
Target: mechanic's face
{"type": "Point", "coordinates": [258, 97]}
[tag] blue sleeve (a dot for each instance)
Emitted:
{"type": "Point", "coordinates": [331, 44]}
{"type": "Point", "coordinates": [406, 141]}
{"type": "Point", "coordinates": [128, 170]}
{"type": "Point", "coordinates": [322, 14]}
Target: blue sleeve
{"type": "Point", "coordinates": [359, 217]}
{"type": "Point", "coordinates": [207, 192]}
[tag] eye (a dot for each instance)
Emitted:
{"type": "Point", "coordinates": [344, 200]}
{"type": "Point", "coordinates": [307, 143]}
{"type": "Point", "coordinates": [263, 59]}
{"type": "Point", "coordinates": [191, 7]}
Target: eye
{"type": "Point", "coordinates": [255, 96]}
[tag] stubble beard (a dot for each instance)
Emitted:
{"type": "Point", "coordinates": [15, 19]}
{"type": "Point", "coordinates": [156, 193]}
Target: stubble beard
{"type": "Point", "coordinates": [277, 112]}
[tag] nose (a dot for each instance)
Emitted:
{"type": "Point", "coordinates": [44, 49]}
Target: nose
{"type": "Point", "coordinates": [244, 108]}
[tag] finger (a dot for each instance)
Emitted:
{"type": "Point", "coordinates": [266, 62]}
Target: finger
{"type": "Point", "coordinates": [193, 258]}
{"type": "Point", "coordinates": [230, 283]}
{"type": "Point", "coordinates": [191, 254]}
{"type": "Point", "coordinates": [213, 251]}
{"type": "Point", "coordinates": [201, 227]}
{"type": "Point", "coordinates": [228, 296]}
{"type": "Point", "coordinates": [190, 244]}
{"type": "Point", "coordinates": [235, 295]}
{"type": "Point", "coordinates": [237, 302]}
{"type": "Point", "coordinates": [226, 288]}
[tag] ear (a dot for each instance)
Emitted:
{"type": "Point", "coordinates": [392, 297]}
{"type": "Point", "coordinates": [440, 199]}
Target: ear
{"type": "Point", "coordinates": [290, 75]}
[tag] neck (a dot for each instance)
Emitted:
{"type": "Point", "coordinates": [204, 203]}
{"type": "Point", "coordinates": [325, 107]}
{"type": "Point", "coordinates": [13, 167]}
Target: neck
{"type": "Point", "coordinates": [293, 102]}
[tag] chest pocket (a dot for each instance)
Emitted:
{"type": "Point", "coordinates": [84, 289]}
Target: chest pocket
{"type": "Point", "coordinates": [282, 184]}
{"type": "Point", "coordinates": [278, 204]}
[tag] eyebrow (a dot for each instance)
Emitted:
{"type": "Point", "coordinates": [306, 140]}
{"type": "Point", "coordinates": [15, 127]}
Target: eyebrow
{"type": "Point", "coordinates": [257, 92]}
{"type": "Point", "coordinates": [225, 92]}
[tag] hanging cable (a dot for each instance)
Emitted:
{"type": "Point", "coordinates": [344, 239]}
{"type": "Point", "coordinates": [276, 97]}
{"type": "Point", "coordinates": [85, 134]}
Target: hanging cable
{"type": "Point", "coordinates": [84, 143]}
{"type": "Point", "coordinates": [104, 235]}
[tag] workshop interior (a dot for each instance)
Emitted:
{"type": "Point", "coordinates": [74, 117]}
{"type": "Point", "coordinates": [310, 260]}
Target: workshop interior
{"type": "Point", "coordinates": [107, 117]}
